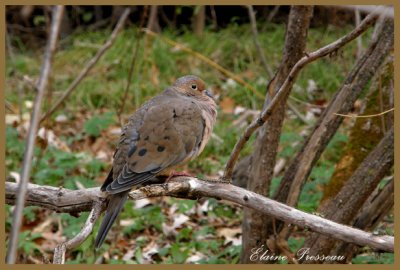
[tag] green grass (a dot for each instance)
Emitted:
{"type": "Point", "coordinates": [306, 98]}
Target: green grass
{"type": "Point", "coordinates": [99, 96]}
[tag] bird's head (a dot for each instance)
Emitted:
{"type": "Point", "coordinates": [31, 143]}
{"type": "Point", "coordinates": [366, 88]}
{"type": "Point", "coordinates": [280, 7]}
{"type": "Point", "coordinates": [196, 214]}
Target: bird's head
{"type": "Point", "coordinates": [192, 86]}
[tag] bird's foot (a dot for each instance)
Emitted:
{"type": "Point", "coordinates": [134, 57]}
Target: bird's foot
{"type": "Point", "coordinates": [175, 174]}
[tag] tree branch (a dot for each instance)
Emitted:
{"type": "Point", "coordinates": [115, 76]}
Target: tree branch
{"type": "Point", "coordinates": [89, 64]}
{"type": "Point", "coordinates": [344, 206]}
{"type": "Point", "coordinates": [30, 143]}
{"type": "Point", "coordinates": [253, 22]}
{"type": "Point", "coordinates": [263, 159]}
{"type": "Point", "coordinates": [188, 187]}
{"type": "Point", "coordinates": [364, 69]}
{"type": "Point", "coordinates": [60, 250]}
{"type": "Point", "coordinates": [286, 86]}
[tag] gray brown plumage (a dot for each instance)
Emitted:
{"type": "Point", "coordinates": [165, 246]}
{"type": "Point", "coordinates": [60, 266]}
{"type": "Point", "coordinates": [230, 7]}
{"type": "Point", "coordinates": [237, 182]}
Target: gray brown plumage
{"type": "Point", "coordinates": [167, 131]}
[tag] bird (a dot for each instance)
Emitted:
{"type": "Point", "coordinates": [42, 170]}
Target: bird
{"type": "Point", "coordinates": [168, 131]}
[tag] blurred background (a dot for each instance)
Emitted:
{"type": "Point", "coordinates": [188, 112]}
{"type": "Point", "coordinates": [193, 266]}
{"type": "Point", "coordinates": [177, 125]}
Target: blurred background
{"type": "Point", "coordinates": [76, 143]}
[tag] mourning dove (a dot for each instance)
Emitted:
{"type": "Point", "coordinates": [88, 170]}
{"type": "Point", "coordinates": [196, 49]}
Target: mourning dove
{"type": "Point", "coordinates": [167, 131]}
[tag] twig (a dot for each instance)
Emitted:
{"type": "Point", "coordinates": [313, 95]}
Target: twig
{"type": "Point", "coordinates": [283, 90]}
{"type": "Point", "coordinates": [9, 48]}
{"type": "Point", "coordinates": [30, 143]}
{"type": "Point", "coordinates": [214, 17]}
{"type": "Point", "coordinates": [60, 250]}
{"type": "Point", "coordinates": [253, 23]}
{"type": "Point", "coordinates": [359, 39]}
{"type": "Point", "coordinates": [133, 62]}
{"type": "Point", "coordinates": [273, 13]}
{"type": "Point", "coordinates": [381, 104]}
{"type": "Point", "coordinates": [384, 11]}
{"type": "Point", "coordinates": [293, 108]}
{"type": "Point", "coordinates": [307, 103]}
{"type": "Point", "coordinates": [89, 64]}
{"type": "Point", "coordinates": [189, 187]}
{"type": "Point", "coordinates": [365, 116]}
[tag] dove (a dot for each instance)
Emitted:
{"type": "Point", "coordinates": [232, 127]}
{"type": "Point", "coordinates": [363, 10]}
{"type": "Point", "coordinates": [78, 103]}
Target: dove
{"type": "Point", "coordinates": [168, 131]}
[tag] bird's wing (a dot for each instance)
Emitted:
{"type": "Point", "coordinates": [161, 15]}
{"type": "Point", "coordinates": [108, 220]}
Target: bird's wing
{"type": "Point", "coordinates": [166, 132]}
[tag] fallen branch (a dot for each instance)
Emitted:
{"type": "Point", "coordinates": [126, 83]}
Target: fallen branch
{"type": "Point", "coordinates": [89, 64]}
{"type": "Point", "coordinates": [286, 86]}
{"type": "Point", "coordinates": [33, 127]}
{"type": "Point", "coordinates": [187, 187]}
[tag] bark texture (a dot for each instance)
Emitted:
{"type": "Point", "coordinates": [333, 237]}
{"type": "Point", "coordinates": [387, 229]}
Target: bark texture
{"type": "Point", "coordinates": [343, 208]}
{"type": "Point", "coordinates": [192, 188]}
{"type": "Point", "coordinates": [366, 132]}
{"type": "Point", "coordinates": [263, 158]}
{"type": "Point", "coordinates": [364, 69]}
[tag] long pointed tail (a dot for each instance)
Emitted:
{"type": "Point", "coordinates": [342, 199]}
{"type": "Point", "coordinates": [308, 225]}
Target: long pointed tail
{"type": "Point", "coordinates": [114, 208]}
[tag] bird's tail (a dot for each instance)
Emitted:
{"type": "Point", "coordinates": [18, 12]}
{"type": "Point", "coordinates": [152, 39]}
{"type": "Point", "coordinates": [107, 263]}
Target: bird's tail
{"type": "Point", "coordinates": [113, 209]}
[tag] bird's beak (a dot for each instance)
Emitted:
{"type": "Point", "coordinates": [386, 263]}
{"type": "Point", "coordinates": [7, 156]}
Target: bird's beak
{"type": "Point", "coordinates": [208, 93]}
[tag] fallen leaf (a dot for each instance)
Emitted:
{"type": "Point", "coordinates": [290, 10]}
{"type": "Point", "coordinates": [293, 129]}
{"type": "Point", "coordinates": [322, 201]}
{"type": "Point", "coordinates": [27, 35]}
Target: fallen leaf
{"type": "Point", "coordinates": [227, 105]}
{"type": "Point", "coordinates": [230, 235]}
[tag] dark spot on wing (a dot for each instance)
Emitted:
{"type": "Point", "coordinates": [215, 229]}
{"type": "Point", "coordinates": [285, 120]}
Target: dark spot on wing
{"type": "Point", "coordinates": [160, 148]}
{"type": "Point", "coordinates": [147, 138]}
{"type": "Point", "coordinates": [132, 150]}
{"type": "Point", "coordinates": [166, 138]}
{"type": "Point", "coordinates": [175, 114]}
{"type": "Point", "coordinates": [142, 152]}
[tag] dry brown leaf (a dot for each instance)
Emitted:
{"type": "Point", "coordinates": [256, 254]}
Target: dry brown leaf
{"type": "Point", "coordinates": [227, 105]}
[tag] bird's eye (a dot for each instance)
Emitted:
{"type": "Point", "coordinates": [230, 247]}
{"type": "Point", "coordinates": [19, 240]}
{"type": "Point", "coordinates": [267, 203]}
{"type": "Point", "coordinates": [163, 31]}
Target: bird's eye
{"type": "Point", "coordinates": [194, 86]}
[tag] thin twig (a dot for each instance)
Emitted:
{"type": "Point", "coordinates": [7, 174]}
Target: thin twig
{"type": "Point", "coordinates": [89, 64]}
{"type": "Point", "coordinates": [193, 188]}
{"type": "Point", "coordinates": [139, 37]}
{"type": "Point", "coordinates": [381, 104]}
{"type": "Point", "coordinates": [30, 143]}
{"type": "Point", "coordinates": [293, 108]}
{"type": "Point", "coordinates": [286, 86]}
{"type": "Point", "coordinates": [365, 116]}
{"type": "Point", "coordinates": [359, 39]}
{"type": "Point", "coordinates": [273, 13]}
{"type": "Point", "coordinates": [384, 11]}
{"type": "Point", "coordinates": [253, 23]}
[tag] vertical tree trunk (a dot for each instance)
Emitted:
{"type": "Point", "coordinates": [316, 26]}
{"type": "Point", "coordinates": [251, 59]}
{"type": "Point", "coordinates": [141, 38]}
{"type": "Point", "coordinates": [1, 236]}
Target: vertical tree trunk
{"type": "Point", "coordinates": [263, 159]}
{"type": "Point", "coordinates": [153, 23]}
{"type": "Point", "coordinates": [199, 20]}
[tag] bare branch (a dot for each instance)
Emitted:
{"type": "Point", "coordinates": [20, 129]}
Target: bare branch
{"type": "Point", "coordinates": [139, 36]}
{"type": "Point", "coordinates": [344, 206]}
{"type": "Point", "coordinates": [30, 143]}
{"type": "Point", "coordinates": [384, 11]}
{"type": "Point", "coordinates": [374, 210]}
{"type": "Point", "coordinates": [359, 39]}
{"type": "Point", "coordinates": [253, 22]}
{"type": "Point", "coordinates": [188, 187]}
{"type": "Point", "coordinates": [263, 159]}
{"type": "Point", "coordinates": [59, 252]}
{"type": "Point", "coordinates": [300, 167]}
{"type": "Point", "coordinates": [283, 90]}
{"type": "Point", "coordinates": [89, 64]}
